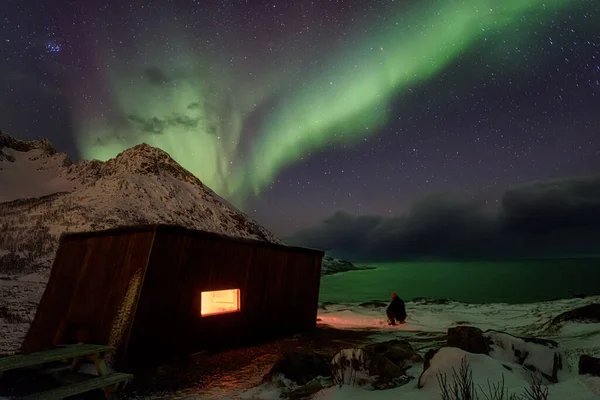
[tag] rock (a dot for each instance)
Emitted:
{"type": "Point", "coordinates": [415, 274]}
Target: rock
{"type": "Point", "coordinates": [588, 313]}
{"type": "Point", "coordinates": [449, 362]}
{"type": "Point", "coordinates": [330, 266]}
{"type": "Point", "coordinates": [312, 387]}
{"type": "Point", "coordinates": [430, 300]}
{"type": "Point", "coordinates": [398, 351]}
{"type": "Point", "coordinates": [301, 367]}
{"type": "Point", "coordinates": [461, 323]}
{"type": "Point", "coordinates": [589, 365]}
{"type": "Point", "coordinates": [373, 304]}
{"type": "Point", "coordinates": [468, 338]}
{"type": "Point", "coordinates": [363, 368]}
{"type": "Point", "coordinates": [544, 342]}
{"type": "Point", "coordinates": [428, 356]}
{"type": "Point", "coordinates": [323, 305]}
{"type": "Point", "coordinates": [534, 354]}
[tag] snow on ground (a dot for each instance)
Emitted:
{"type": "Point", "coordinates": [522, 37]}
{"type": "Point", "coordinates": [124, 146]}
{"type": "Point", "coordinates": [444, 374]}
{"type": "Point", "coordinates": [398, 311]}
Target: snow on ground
{"type": "Point", "coordinates": [428, 323]}
{"type": "Point", "coordinates": [523, 319]}
{"type": "Point", "coordinates": [574, 389]}
{"type": "Point", "coordinates": [32, 174]}
{"type": "Point", "coordinates": [19, 298]}
{"type": "Point", "coordinates": [426, 327]}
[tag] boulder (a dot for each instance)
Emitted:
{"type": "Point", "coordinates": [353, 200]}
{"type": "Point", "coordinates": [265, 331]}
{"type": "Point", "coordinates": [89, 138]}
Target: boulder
{"type": "Point", "coordinates": [312, 387]}
{"type": "Point", "coordinates": [588, 313]}
{"type": "Point", "coordinates": [398, 351]}
{"type": "Point", "coordinates": [468, 338]}
{"type": "Point", "coordinates": [589, 365]}
{"type": "Point", "coordinates": [449, 363]}
{"type": "Point", "coordinates": [300, 367]}
{"type": "Point", "coordinates": [363, 368]}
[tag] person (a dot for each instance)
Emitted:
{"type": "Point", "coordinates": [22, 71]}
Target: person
{"type": "Point", "coordinates": [396, 311]}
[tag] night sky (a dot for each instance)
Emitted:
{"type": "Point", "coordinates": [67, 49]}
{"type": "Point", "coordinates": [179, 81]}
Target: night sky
{"type": "Point", "coordinates": [375, 129]}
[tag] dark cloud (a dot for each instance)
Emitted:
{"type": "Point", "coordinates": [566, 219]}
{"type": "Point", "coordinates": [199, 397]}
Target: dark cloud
{"type": "Point", "coordinates": [158, 126]}
{"type": "Point", "coordinates": [156, 76]}
{"type": "Point", "coordinates": [147, 125]}
{"type": "Point", "coordinates": [541, 219]}
{"type": "Point", "coordinates": [183, 121]}
{"type": "Point", "coordinates": [550, 206]}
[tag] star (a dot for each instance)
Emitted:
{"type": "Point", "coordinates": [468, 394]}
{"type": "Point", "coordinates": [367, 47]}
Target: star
{"type": "Point", "coordinates": [53, 47]}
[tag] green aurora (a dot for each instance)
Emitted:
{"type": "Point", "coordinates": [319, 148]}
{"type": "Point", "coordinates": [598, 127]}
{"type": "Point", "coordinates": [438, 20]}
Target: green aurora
{"type": "Point", "coordinates": [205, 118]}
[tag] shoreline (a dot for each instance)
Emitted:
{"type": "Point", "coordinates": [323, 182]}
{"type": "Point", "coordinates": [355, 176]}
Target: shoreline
{"type": "Point", "coordinates": [375, 303]}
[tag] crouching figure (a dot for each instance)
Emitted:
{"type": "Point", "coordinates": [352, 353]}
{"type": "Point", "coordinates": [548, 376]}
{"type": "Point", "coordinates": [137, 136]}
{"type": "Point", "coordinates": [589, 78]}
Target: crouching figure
{"type": "Point", "coordinates": [396, 311]}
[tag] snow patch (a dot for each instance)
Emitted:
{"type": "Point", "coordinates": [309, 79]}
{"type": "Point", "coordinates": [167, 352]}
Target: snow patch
{"type": "Point", "coordinates": [514, 350]}
{"type": "Point", "coordinates": [32, 174]}
{"type": "Point", "coordinates": [484, 368]}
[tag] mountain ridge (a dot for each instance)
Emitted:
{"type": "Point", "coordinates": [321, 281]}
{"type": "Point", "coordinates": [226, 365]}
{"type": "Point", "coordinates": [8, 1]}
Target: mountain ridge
{"type": "Point", "coordinates": [48, 195]}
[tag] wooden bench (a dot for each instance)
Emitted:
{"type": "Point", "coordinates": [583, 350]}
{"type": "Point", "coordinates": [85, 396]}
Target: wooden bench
{"type": "Point", "coordinates": [99, 382]}
{"type": "Point", "coordinates": [72, 354]}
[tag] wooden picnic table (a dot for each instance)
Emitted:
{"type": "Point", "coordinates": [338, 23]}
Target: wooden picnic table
{"type": "Point", "coordinates": [74, 354]}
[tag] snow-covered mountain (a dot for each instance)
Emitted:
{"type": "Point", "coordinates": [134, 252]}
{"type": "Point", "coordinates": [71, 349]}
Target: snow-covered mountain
{"type": "Point", "coordinates": [44, 194]}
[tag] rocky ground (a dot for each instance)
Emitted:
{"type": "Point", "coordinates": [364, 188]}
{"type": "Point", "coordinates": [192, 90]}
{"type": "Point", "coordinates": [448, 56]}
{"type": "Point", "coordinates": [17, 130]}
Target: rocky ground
{"type": "Point", "coordinates": [354, 354]}
{"type": "Point", "coordinates": [379, 360]}
{"type": "Point", "coordinates": [227, 374]}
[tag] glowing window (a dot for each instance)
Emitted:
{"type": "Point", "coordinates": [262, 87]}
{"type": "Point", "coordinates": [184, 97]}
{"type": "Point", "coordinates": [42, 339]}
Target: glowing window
{"type": "Point", "coordinates": [220, 302]}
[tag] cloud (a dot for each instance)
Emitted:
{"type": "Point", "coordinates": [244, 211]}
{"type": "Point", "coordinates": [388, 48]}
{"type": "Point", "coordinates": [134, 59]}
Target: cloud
{"type": "Point", "coordinates": [148, 125]}
{"type": "Point", "coordinates": [550, 206]}
{"type": "Point", "coordinates": [540, 219]}
{"type": "Point", "coordinates": [155, 125]}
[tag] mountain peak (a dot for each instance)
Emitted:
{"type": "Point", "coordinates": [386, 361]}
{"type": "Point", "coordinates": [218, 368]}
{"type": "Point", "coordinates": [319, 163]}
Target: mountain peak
{"type": "Point", "coordinates": [144, 159]}
{"type": "Point", "coordinates": [143, 153]}
{"type": "Point", "coordinates": [144, 149]}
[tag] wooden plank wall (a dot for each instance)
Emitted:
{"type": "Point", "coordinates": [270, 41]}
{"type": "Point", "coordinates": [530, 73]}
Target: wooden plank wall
{"type": "Point", "coordinates": [88, 283]}
{"type": "Point", "coordinates": [279, 294]}
{"type": "Point", "coordinates": [180, 268]}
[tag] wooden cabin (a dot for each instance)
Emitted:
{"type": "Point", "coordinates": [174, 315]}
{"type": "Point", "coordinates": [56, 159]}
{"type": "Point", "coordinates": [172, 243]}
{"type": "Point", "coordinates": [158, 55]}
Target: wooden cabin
{"type": "Point", "coordinates": [159, 291]}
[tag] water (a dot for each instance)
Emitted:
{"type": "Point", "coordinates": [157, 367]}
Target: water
{"type": "Point", "coordinates": [473, 281]}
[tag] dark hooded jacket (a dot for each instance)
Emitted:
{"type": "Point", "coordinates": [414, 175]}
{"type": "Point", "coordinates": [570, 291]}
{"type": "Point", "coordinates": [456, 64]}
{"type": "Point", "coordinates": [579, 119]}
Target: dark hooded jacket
{"type": "Point", "coordinates": [396, 310]}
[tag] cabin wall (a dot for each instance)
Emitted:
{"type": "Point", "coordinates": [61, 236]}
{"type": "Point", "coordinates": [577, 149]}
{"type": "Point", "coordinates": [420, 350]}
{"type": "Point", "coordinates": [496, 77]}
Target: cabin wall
{"type": "Point", "coordinates": [278, 295]}
{"type": "Point", "coordinates": [93, 278]}
{"type": "Point", "coordinates": [288, 284]}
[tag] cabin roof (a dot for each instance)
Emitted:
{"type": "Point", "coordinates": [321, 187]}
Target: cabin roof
{"type": "Point", "coordinates": [180, 230]}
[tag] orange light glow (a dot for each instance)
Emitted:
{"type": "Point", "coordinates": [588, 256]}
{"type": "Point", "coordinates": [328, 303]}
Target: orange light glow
{"type": "Point", "coordinates": [220, 302]}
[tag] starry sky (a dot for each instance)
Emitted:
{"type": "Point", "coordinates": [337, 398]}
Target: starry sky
{"type": "Point", "coordinates": [345, 125]}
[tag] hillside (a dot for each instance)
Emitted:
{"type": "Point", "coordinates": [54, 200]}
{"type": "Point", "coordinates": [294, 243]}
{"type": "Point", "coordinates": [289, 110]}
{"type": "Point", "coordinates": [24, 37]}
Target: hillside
{"type": "Point", "coordinates": [45, 194]}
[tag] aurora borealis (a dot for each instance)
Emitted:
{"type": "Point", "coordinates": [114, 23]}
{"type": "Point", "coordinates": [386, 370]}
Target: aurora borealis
{"type": "Point", "coordinates": [201, 125]}
{"type": "Point", "coordinates": [296, 110]}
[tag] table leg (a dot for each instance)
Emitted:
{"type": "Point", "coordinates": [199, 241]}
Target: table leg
{"type": "Point", "coordinates": [102, 370]}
